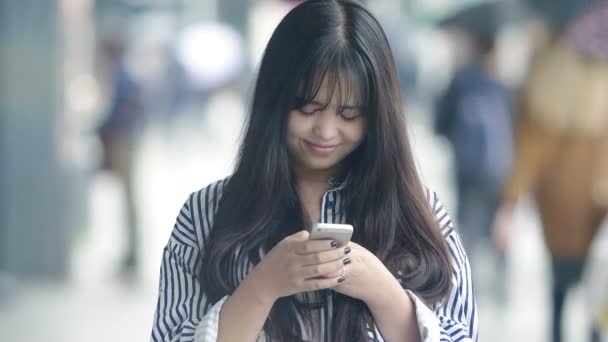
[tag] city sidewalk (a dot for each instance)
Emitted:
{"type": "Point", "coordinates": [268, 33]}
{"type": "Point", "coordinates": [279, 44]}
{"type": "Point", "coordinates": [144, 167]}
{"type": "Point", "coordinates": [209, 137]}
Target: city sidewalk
{"type": "Point", "coordinates": [95, 305]}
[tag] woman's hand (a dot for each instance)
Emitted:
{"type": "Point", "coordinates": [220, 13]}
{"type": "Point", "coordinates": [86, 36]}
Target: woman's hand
{"type": "Point", "coordinates": [297, 264]}
{"type": "Point", "coordinates": [369, 280]}
{"type": "Point", "coordinates": [365, 275]}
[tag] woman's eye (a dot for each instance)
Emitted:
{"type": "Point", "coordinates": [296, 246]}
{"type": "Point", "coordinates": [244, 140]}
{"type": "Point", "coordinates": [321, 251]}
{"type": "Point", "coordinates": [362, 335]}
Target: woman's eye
{"type": "Point", "coordinates": [309, 109]}
{"type": "Point", "coordinates": [349, 114]}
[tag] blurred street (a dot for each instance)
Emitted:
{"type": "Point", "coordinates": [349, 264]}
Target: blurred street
{"type": "Point", "coordinates": [113, 111]}
{"type": "Point", "coordinates": [96, 305]}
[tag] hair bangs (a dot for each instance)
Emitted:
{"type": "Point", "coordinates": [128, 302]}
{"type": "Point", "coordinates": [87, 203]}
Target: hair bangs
{"type": "Point", "coordinates": [345, 73]}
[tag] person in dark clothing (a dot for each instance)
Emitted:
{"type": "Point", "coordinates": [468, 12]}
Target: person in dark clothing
{"type": "Point", "coordinates": [475, 115]}
{"type": "Point", "coordinates": [118, 133]}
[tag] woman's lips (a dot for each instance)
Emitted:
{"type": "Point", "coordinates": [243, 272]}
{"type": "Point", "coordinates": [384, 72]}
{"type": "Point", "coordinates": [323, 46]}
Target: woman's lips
{"type": "Point", "coordinates": [321, 149]}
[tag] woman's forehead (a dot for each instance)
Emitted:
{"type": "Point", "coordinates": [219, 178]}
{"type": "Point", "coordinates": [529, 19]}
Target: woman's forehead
{"type": "Point", "coordinates": [337, 90]}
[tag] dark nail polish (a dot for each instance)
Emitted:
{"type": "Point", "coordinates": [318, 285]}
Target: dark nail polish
{"type": "Point", "coordinates": [347, 261]}
{"type": "Point", "coordinates": [341, 279]}
{"type": "Point", "coordinates": [346, 250]}
{"type": "Point", "coordinates": [334, 244]}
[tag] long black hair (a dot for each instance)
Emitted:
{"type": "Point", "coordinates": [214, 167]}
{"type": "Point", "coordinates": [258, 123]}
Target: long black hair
{"type": "Point", "coordinates": [338, 41]}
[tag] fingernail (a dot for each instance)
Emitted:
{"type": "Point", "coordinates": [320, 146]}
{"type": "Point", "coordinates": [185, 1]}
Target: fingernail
{"type": "Point", "coordinates": [347, 261]}
{"type": "Point", "coordinates": [334, 244]}
{"type": "Point", "coordinates": [341, 279]}
{"type": "Point", "coordinates": [346, 250]}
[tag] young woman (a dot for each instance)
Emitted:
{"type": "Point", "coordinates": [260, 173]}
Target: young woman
{"type": "Point", "coordinates": [325, 142]}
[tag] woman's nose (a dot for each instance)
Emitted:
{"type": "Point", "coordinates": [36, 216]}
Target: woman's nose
{"type": "Point", "coordinates": [326, 125]}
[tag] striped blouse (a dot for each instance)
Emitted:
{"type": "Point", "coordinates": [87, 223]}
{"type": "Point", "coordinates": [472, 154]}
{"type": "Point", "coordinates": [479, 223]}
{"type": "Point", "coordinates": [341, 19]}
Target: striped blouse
{"type": "Point", "coordinates": [183, 312]}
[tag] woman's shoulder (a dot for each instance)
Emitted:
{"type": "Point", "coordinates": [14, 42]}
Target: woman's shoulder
{"type": "Point", "coordinates": [441, 215]}
{"type": "Point", "coordinates": [197, 213]}
{"type": "Point", "coordinates": [204, 201]}
{"type": "Point", "coordinates": [450, 234]}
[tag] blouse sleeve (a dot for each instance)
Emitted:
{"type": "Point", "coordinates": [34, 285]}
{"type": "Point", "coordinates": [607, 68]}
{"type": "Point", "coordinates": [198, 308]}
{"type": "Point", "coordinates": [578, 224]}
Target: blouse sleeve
{"type": "Point", "coordinates": [183, 312]}
{"type": "Point", "coordinates": [456, 319]}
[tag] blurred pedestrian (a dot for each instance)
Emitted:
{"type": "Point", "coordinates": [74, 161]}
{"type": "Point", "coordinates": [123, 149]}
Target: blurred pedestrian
{"type": "Point", "coordinates": [596, 281]}
{"type": "Point", "coordinates": [118, 133]}
{"type": "Point", "coordinates": [475, 114]}
{"type": "Point", "coordinates": [562, 148]}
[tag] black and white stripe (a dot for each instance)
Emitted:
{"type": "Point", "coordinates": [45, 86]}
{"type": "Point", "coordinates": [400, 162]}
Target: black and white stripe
{"type": "Point", "coordinates": [184, 314]}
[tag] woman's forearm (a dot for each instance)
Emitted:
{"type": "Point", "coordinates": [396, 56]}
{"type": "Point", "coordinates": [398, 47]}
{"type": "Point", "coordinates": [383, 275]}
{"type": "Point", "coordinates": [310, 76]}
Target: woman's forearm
{"type": "Point", "coordinates": [395, 314]}
{"type": "Point", "coordinates": [243, 315]}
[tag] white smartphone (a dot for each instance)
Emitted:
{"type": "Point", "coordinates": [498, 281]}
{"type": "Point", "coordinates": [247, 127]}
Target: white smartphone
{"type": "Point", "coordinates": [331, 231]}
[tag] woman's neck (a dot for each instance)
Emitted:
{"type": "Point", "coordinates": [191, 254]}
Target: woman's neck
{"type": "Point", "coordinates": [311, 187]}
{"type": "Point", "coordinates": [316, 178]}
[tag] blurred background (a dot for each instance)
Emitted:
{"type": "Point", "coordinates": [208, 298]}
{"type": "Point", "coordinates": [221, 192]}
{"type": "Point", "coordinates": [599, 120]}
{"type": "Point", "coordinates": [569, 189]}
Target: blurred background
{"type": "Point", "coordinates": [113, 111]}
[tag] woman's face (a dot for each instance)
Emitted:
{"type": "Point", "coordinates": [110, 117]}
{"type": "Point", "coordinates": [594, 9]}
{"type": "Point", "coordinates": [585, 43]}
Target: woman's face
{"type": "Point", "coordinates": [319, 137]}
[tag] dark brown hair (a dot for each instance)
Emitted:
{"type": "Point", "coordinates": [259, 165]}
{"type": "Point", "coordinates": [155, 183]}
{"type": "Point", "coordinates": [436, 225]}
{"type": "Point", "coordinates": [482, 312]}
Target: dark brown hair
{"type": "Point", "coordinates": [384, 200]}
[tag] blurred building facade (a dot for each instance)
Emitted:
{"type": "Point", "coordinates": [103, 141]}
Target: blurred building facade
{"type": "Point", "coordinates": [36, 195]}
{"type": "Point", "coordinates": [42, 200]}
{"type": "Point", "coordinates": [51, 100]}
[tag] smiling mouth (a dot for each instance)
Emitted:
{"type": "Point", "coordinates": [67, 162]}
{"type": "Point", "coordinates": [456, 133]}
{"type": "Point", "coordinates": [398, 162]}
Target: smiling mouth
{"type": "Point", "coordinates": [321, 149]}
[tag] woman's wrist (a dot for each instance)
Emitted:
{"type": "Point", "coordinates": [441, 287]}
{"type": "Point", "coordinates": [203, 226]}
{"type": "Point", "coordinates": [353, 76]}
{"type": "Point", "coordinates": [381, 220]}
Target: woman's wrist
{"type": "Point", "coordinates": [390, 291]}
{"type": "Point", "coordinates": [381, 295]}
{"type": "Point", "coordinates": [394, 312]}
{"type": "Point", "coordinates": [243, 315]}
{"type": "Point", "coordinates": [253, 284]}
